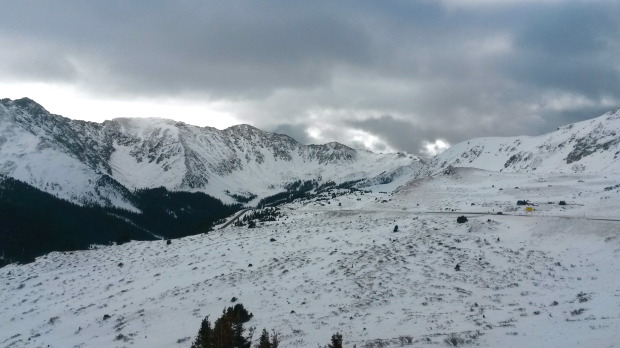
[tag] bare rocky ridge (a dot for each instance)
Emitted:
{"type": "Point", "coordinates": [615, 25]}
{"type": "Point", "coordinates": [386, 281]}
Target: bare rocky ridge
{"type": "Point", "coordinates": [149, 153]}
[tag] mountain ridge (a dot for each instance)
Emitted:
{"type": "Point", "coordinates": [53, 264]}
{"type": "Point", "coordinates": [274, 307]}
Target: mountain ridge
{"type": "Point", "coordinates": [147, 153]}
{"type": "Point", "coordinates": [583, 147]}
{"type": "Point", "coordinates": [242, 160]}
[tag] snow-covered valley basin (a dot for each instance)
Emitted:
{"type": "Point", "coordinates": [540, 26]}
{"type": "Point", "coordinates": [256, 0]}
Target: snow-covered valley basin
{"type": "Point", "coordinates": [549, 279]}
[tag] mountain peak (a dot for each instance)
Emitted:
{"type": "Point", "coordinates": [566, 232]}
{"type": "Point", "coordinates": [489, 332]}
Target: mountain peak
{"type": "Point", "coordinates": [337, 146]}
{"type": "Point", "coordinates": [588, 146]}
{"type": "Point", "coordinates": [613, 114]}
{"type": "Point", "coordinates": [139, 153]}
{"type": "Point", "coordinates": [25, 104]}
{"type": "Point", "coordinates": [243, 127]}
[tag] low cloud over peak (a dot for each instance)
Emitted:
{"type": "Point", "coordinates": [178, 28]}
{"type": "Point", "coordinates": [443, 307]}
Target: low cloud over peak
{"type": "Point", "coordinates": [381, 75]}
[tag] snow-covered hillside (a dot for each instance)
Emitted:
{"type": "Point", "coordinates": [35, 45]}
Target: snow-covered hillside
{"type": "Point", "coordinates": [87, 162]}
{"type": "Point", "coordinates": [334, 263]}
{"type": "Point", "coordinates": [591, 146]}
{"type": "Point", "coordinates": [43, 163]}
{"type": "Point", "coordinates": [71, 158]}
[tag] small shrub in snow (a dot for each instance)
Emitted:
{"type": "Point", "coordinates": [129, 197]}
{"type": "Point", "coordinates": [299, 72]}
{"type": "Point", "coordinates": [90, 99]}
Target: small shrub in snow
{"type": "Point", "coordinates": [121, 337]}
{"type": "Point", "coordinates": [408, 340]}
{"type": "Point", "coordinates": [583, 297]}
{"type": "Point", "coordinates": [183, 340]}
{"type": "Point", "coordinates": [454, 340]}
{"type": "Point", "coordinates": [577, 311]}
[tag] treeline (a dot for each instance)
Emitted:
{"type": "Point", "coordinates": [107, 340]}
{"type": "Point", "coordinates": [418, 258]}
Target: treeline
{"type": "Point", "coordinates": [294, 190]}
{"type": "Point", "coordinates": [259, 215]}
{"type": "Point", "coordinates": [241, 198]}
{"type": "Point", "coordinates": [34, 222]}
{"type": "Point", "coordinates": [178, 214]}
{"type": "Point", "coordinates": [305, 189]}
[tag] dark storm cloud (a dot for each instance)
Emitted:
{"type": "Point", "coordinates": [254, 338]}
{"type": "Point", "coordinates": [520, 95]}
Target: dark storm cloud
{"type": "Point", "coordinates": [575, 48]}
{"type": "Point", "coordinates": [223, 48]}
{"type": "Point", "coordinates": [407, 72]}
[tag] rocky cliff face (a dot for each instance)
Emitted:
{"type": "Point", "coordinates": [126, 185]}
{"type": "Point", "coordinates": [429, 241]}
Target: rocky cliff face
{"type": "Point", "coordinates": [71, 158]}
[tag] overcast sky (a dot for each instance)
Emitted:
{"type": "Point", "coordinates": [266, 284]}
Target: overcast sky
{"type": "Point", "coordinates": [384, 75]}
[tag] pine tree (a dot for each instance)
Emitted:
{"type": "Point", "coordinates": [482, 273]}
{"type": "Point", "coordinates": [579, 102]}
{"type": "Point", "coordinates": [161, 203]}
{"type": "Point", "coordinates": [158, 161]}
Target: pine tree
{"type": "Point", "coordinates": [275, 340]}
{"type": "Point", "coordinates": [227, 332]}
{"type": "Point", "coordinates": [205, 335]}
{"type": "Point", "coordinates": [240, 340]}
{"type": "Point", "coordinates": [223, 333]}
{"type": "Point", "coordinates": [241, 315]}
{"type": "Point", "coordinates": [336, 341]}
{"type": "Point", "coordinates": [263, 341]}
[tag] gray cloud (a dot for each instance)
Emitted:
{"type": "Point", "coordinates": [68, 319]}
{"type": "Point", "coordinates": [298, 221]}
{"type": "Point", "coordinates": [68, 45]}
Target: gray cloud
{"type": "Point", "coordinates": [574, 49]}
{"type": "Point", "coordinates": [297, 132]}
{"type": "Point", "coordinates": [405, 72]}
{"type": "Point", "coordinates": [401, 134]}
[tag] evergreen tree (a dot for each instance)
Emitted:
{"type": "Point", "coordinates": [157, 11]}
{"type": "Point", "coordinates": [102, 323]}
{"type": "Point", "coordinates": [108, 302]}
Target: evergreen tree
{"type": "Point", "coordinates": [223, 333]}
{"type": "Point", "coordinates": [241, 315]}
{"type": "Point", "coordinates": [263, 341]}
{"type": "Point", "coordinates": [336, 341]}
{"type": "Point", "coordinates": [205, 335]}
{"type": "Point", "coordinates": [275, 340]}
{"type": "Point", "coordinates": [240, 340]}
{"type": "Point", "coordinates": [228, 330]}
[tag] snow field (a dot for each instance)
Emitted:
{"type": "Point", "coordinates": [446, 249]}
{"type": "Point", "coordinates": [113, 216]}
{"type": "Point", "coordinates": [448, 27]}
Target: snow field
{"type": "Point", "coordinates": [534, 281]}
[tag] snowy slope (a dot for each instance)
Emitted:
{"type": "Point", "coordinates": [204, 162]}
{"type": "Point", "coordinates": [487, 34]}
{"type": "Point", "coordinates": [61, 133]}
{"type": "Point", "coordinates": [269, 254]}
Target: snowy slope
{"type": "Point", "coordinates": [590, 146]}
{"type": "Point", "coordinates": [545, 280]}
{"type": "Point", "coordinates": [70, 157]}
{"type": "Point", "coordinates": [43, 163]}
{"type": "Point", "coordinates": [241, 159]}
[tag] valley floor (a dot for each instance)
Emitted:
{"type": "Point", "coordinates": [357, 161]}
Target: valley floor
{"type": "Point", "coordinates": [547, 280]}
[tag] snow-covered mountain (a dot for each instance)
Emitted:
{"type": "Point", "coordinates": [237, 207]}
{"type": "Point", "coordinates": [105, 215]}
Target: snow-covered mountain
{"type": "Point", "coordinates": [332, 262]}
{"type": "Point", "coordinates": [87, 162]}
{"type": "Point", "coordinates": [591, 146]}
